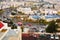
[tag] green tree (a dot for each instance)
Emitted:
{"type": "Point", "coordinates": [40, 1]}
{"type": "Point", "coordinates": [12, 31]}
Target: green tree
{"type": "Point", "coordinates": [12, 7]}
{"type": "Point", "coordinates": [1, 11]}
{"type": "Point", "coordinates": [13, 13]}
{"type": "Point", "coordinates": [14, 26]}
{"type": "Point", "coordinates": [58, 20]}
{"type": "Point", "coordinates": [52, 27]}
{"type": "Point", "coordinates": [22, 28]}
{"type": "Point", "coordinates": [43, 22]}
{"type": "Point", "coordinates": [34, 8]}
{"type": "Point", "coordinates": [21, 13]}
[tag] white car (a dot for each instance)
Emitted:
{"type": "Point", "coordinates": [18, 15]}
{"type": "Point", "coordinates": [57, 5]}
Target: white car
{"type": "Point", "coordinates": [54, 37]}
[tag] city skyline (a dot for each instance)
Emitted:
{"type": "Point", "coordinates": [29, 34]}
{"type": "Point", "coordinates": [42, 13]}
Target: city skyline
{"type": "Point", "coordinates": [36, 0]}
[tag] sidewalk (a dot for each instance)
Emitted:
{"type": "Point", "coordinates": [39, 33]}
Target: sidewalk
{"type": "Point", "coordinates": [2, 34]}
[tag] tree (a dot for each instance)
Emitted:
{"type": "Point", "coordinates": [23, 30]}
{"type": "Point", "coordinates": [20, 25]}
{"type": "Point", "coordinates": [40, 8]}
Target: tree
{"type": "Point", "coordinates": [41, 5]}
{"type": "Point", "coordinates": [54, 5]}
{"type": "Point", "coordinates": [12, 8]}
{"type": "Point", "coordinates": [22, 28]}
{"type": "Point", "coordinates": [1, 11]}
{"type": "Point", "coordinates": [10, 23]}
{"type": "Point", "coordinates": [21, 13]}
{"type": "Point", "coordinates": [34, 8]}
{"type": "Point", "coordinates": [58, 20]}
{"type": "Point", "coordinates": [58, 12]}
{"type": "Point", "coordinates": [52, 27]}
{"type": "Point", "coordinates": [43, 22]}
{"type": "Point", "coordinates": [14, 26]}
{"type": "Point", "coordinates": [13, 13]}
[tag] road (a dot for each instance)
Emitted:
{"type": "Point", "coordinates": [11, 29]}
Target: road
{"type": "Point", "coordinates": [10, 33]}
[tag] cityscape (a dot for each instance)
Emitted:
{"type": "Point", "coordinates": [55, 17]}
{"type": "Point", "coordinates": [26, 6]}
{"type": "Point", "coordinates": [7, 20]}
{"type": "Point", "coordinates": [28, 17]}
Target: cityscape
{"type": "Point", "coordinates": [29, 19]}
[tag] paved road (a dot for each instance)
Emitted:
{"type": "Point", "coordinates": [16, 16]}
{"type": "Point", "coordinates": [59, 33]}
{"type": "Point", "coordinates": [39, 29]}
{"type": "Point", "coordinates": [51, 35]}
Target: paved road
{"type": "Point", "coordinates": [10, 34]}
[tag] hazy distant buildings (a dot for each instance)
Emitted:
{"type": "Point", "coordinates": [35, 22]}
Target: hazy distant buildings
{"type": "Point", "coordinates": [53, 1]}
{"type": "Point", "coordinates": [21, 0]}
{"type": "Point", "coordinates": [34, 0]}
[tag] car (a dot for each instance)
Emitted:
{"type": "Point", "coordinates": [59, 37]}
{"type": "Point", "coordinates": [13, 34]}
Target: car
{"type": "Point", "coordinates": [54, 36]}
